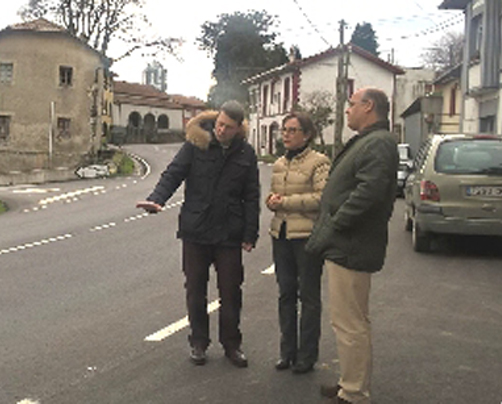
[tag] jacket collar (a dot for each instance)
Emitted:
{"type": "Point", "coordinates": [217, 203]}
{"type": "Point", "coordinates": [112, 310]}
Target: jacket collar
{"type": "Point", "coordinates": [364, 132]}
{"type": "Point", "coordinates": [199, 130]}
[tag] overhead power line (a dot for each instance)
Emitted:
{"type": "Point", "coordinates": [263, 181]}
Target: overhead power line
{"type": "Point", "coordinates": [311, 23]}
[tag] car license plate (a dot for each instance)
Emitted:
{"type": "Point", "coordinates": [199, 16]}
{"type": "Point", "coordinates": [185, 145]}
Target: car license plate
{"type": "Point", "coordinates": [483, 191]}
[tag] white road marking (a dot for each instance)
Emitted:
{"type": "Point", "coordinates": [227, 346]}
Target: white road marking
{"type": "Point", "coordinates": [35, 244]}
{"type": "Point", "coordinates": [178, 325]}
{"type": "Point", "coordinates": [146, 214]}
{"type": "Point", "coordinates": [28, 401]}
{"type": "Point", "coordinates": [71, 195]}
{"type": "Point", "coordinates": [35, 190]}
{"type": "Point", "coordinates": [103, 226]}
{"type": "Point", "coordinates": [183, 323]}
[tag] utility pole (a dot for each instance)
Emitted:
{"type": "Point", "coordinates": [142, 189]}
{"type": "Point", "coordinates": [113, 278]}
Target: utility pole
{"type": "Point", "coordinates": [341, 90]}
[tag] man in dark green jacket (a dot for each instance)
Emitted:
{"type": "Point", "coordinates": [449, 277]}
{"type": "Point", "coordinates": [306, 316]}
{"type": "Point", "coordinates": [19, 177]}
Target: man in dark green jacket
{"type": "Point", "coordinates": [351, 235]}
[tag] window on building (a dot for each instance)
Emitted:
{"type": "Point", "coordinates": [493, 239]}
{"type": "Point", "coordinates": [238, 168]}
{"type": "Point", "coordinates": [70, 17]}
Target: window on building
{"type": "Point", "coordinates": [163, 122]}
{"type": "Point", "coordinates": [65, 76]}
{"type": "Point", "coordinates": [350, 88]}
{"type": "Point", "coordinates": [285, 101]}
{"type": "Point", "coordinates": [4, 128]}
{"type": "Point", "coordinates": [63, 129]}
{"type": "Point", "coordinates": [6, 72]}
{"type": "Point", "coordinates": [476, 36]}
{"type": "Point", "coordinates": [265, 100]}
{"type": "Point", "coordinates": [487, 124]}
{"type": "Point", "coordinates": [453, 101]}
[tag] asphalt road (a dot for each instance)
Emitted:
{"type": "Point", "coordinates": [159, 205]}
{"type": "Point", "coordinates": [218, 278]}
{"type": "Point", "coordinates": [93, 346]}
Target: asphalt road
{"type": "Point", "coordinates": [87, 281]}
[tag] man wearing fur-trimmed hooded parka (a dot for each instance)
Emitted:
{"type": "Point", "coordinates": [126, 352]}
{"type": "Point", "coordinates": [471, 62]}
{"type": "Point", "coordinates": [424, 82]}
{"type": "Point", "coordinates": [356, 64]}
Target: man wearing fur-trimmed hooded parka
{"type": "Point", "coordinates": [219, 218]}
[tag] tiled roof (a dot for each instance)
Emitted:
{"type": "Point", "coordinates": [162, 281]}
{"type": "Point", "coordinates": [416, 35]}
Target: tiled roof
{"type": "Point", "coordinates": [319, 57]}
{"type": "Point", "coordinates": [40, 24]}
{"type": "Point", "coordinates": [45, 26]}
{"type": "Point", "coordinates": [141, 94]}
{"type": "Point", "coordinates": [354, 49]}
{"type": "Point", "coordinates": [188, 101]}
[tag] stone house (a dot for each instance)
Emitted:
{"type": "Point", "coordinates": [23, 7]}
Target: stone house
{"type": "Point", "coordinates": [274, 93]}
{"type": "Point", "coordinates": [51, 99]}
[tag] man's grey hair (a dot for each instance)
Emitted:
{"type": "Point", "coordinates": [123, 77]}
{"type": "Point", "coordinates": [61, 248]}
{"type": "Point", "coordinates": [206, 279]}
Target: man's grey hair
{"type": "Point", "coordinates": [380, 101]}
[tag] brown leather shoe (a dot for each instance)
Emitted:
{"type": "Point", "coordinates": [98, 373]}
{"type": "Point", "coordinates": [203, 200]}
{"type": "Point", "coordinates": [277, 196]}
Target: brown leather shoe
{"type": "Point", "coordinates": [237, 357]}
{"type": "Point", "coordinates": [329, 391]}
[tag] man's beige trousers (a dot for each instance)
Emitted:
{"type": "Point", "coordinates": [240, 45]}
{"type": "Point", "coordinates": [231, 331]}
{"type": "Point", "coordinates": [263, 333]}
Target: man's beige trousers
{"type": "Point", "coordinates": [349, 308]}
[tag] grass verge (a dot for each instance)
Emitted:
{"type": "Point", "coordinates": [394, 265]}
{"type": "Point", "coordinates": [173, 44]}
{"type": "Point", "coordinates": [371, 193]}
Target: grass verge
{"type": "Point", "coordinates": [3, 207]}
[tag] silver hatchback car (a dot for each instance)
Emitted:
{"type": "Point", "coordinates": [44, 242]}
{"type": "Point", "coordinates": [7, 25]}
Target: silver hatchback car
{"type": "Point", "coordinates": [455, 187]}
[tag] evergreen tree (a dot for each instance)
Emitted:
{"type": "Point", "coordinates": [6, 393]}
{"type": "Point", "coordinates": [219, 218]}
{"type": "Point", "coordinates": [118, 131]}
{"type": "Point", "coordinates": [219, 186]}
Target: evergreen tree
{"type": "Point", "coordinates": [242, 45]}
{"type": "Point", "coordinates": [365, 37]}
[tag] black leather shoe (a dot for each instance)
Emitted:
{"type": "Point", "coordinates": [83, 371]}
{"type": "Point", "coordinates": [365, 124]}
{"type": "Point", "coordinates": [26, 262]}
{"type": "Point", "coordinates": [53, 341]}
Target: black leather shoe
{"type": "Point", "coordinates": [302, 367]}
{"type": "Point", "coordinates": [339, 400]}
{"type": "Point", "coordinates": [198, 356]}
{"type": "Point", "coordinates": [329, 391]}
{"type": "Point", "coordinates": [283, 364]}
{"type": "Point", "coordinates": [237, 357]}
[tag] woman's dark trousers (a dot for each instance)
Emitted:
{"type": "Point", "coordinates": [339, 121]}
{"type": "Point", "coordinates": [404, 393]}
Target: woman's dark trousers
{"type": "Point", "coordinates": [299, 278]}
{"type": "Point", "coordinates": [197, 258]}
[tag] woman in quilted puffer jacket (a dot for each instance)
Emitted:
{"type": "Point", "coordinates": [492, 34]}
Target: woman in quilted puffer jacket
{"type": "Point", "coordinates": [298, 179]}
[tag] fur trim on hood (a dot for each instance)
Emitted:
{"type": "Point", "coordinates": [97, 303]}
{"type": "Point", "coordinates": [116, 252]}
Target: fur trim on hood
{"type": "Point", "coordinates": [200, 137]}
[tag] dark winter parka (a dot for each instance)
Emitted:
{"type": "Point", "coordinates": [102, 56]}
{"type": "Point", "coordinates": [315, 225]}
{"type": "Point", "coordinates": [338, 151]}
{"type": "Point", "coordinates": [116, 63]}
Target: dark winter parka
{"type": "Point", "coordinates": [357, 202]}
{"type": "Point", "coordinates": [222, 191]}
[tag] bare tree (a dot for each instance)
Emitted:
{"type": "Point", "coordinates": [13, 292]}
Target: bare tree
{"type": "Point", "coordinates": [319, 105]}
{"type": "Point", "coordinates": [445, 53]}
{"type": "Point", "coordinates": [97, 22]}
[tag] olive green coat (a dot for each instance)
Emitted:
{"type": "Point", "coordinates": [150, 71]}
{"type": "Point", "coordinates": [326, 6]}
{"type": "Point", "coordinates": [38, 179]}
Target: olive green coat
{"type": "Point", "coordinates": [357, 203]}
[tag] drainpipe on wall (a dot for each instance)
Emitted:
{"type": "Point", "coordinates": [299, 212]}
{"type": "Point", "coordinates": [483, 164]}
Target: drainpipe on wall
{"type": "Point", "coordinates": [51, 131]}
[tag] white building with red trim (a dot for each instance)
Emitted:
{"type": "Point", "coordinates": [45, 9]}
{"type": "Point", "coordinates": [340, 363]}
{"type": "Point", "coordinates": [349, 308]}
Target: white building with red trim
{"type": "Point", "coordinates": [274, 93]}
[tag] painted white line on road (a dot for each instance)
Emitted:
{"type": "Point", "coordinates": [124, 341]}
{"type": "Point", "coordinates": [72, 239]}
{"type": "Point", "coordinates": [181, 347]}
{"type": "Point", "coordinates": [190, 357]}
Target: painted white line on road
{"type": "Point", "coordinates": [146, 214]}
{"type": "Point", "coordinates": [34, 244]}
{"type": "Point", "coordinates": [70, 195]}
{"type": "Point", "coordinates": [28, 401]}
{"type": "Point", "coordinates": [269, 271]}
{"type": "Point", "coordinates": [103, 227]}
{"type": "Point", "coordinates": [178, 325]}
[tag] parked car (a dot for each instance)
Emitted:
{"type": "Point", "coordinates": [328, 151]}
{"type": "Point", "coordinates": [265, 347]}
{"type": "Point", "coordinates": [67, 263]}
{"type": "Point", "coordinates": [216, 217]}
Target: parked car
{"type": "Point", "coordinates": [404, 150]}
{"type": "Point", "coordinates": [405, 166]}
{"type": "Point", "coordinates": [455, 187]}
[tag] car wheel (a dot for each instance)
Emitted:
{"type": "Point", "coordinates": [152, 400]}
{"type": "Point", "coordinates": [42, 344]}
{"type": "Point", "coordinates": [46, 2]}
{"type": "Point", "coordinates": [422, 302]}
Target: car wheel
{"type": "Point", "coordinates": [408, 223]}
{"type": "Point", "coordinates": [421, 240]}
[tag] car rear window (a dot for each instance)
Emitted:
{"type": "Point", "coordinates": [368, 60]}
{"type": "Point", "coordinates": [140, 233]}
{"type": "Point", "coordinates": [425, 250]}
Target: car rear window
{"type": "Point", "coordinates": [473, 156]}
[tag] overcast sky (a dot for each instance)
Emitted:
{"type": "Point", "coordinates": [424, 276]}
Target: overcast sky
{"type": "Point", "coordinates": [406, 26]}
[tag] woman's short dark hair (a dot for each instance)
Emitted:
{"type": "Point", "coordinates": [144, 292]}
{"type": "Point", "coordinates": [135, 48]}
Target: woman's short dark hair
{"type": "Point", "coordinates": [305, 121]}
{"type": "Point", "coordinates": [234, 110]}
